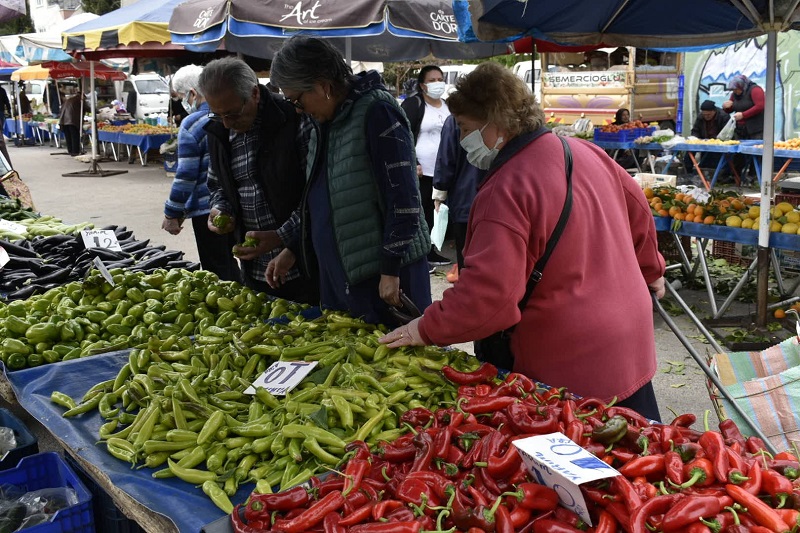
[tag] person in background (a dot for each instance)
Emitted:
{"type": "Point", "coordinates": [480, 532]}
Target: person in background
{"type": "Point", "coordinates": [24, 101]}
{"type": "Point", "coordinates": [53, 98]}
{"type": "Point", "coordinates": [606, 264]}
{"type": "Point", "coordinates": [426, 111]}
{"type": "Point", "coordinates": [746, 105]}
{"type": "Point", "coordinates": [71, 122]}
{"type": "Point", "coordinates": [189, 196]}
{"type": "Point", "coordinates": [176, 109]}
{"type": "Point", "coordinates": [455, 182]}
{"type": "Point", "coordinates": [625, 158]}
{"type": "Point", "coordinates": [257, 151]}
{"type": "Point", "coordinates": [708, 124]}
{"type": "Point", "coordinates": [5, 104]}
{"type": "Point", "coordinates": [361, 215]}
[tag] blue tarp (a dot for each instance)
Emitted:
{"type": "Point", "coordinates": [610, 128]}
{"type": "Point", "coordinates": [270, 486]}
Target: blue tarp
{"type": "Point", "coordinates": [184, 504]}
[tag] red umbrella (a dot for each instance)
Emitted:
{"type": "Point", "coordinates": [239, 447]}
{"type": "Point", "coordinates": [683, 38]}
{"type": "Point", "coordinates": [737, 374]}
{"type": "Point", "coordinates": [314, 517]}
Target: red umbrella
{"type": "Point", "coordinates": [79, 69]}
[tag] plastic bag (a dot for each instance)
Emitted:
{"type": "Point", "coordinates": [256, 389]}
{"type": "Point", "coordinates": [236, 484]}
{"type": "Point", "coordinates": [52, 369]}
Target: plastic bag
{"type": "Point", "coordinates": [728, 130]}
{"type": "Point", "coordinates": [439, 225]}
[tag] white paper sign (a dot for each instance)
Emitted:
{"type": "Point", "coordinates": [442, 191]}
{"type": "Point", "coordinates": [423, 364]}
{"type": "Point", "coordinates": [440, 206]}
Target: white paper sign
{"type": "Point", "coordinates": [98, 264]}
{"type": "Point", "coordinates": [561, 464]}
{"type": "Point", "coordinates": [100, 238]}
{"type": "Point", "coordinates": [12, 226]}
{"type": "Point", "coordinates": [282, 376]}
{"type": "Point", "coordinates": [3, 257]}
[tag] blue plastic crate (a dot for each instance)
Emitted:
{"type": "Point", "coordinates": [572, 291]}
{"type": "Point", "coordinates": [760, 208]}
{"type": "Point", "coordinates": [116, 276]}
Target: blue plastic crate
{"type": "Point", "coordinates": [27, 443]}
{"type": "Point", "coordinates": [613, 136]}
{"type": "Point", "coordinates": [45, 471]}
{"type": "Point", "coordinates": [107, 516]}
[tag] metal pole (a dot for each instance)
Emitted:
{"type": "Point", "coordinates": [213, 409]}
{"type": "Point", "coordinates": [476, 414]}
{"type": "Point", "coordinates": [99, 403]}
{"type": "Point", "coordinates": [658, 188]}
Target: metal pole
{"type": "Point", "coordinates": [766, 181]}
{"type": "Point", "coordinates": [93, 121]}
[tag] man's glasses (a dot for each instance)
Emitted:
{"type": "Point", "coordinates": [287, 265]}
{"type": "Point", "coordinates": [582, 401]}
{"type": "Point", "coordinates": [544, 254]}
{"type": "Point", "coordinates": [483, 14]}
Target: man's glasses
{"type": "Point", "coordinates": [227, 116]}
{"type": "Point", "coordinates": [296, 101]}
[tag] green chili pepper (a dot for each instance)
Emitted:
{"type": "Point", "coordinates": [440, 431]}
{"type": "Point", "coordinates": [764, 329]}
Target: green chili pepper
{"type": "Point", "coordinates": [59, 398]}
{"type": "Point", "coordinates": [218, 496]}
{"type": "Point", "coordinates": [190, 475]}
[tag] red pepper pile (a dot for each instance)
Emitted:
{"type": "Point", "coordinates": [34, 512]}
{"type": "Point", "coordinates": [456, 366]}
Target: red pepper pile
{"type": "Point", "coordinates": [458, 471]}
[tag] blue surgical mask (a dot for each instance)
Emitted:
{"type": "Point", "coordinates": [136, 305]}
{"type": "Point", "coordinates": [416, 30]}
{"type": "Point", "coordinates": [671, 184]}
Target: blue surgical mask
{"type": "Point", "coordinates": [478, 154]}
{"type": "Point", "coordinates": [435, 89]}
{"type": "Point", "coordinates": [190, 108]}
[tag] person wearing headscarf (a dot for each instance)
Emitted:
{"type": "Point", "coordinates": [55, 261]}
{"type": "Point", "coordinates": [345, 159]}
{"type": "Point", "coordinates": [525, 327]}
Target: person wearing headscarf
{"type": "Point", "coordinates": [747, 107]}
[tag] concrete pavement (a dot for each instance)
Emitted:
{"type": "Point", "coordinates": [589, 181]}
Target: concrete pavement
{"type": "Point", "coordinates": [135, 199]}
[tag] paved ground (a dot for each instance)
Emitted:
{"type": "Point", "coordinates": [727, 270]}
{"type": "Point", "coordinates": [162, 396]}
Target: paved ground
{"type": "Point", "coordinates": [135, 199]}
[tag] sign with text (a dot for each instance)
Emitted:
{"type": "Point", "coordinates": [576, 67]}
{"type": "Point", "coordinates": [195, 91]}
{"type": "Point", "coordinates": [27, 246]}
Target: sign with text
{"type": "Point", "coordinates": [98, 264]}
{"type": "Point", "coordinates": [12, 226]}
{"type": "Point", "coordinates": [561, 464]}
{"type": "Point", "coordinates": [282, 376]}
{"type": "Point", "coordinates": [584, 79]}
{"type": "Point", "coordinates": [101, 238]}
{"type": "Point", "coordinates": [5, 259]}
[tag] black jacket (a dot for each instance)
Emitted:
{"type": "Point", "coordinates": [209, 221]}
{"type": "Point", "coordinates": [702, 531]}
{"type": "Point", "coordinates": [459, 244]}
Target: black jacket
{"type": "Point", "coordinates": [414, 107]}
{"type": "Point", "coordinates": [699, 128]}
{"type": "Point", "coordinates": [280, 159]}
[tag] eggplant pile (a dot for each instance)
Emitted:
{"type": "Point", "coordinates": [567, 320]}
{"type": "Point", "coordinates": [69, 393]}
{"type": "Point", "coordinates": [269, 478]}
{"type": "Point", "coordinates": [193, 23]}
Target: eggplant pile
{"type": "Point", "coordinates": [43, 263]}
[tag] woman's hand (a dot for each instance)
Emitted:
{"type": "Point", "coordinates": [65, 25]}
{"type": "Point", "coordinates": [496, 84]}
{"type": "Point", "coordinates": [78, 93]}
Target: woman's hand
{"type": "Point", "coordinates": [389, 290]}
{"type": "Point", "coordinates": [267, 240]}
{"type": "Point", "coordinates": [172, 226]}
{"type": "Point", "coordinates": [419, 170]}
{"type": "Point", "coordinates": [407, 335]}
{"type": "Point", "coordinates": [278, 268]}
{"type": "Point", "coordinates": [227, 228]}
{"type": "Point", "coordinates": [658, 287]}
{"type": "Point", "coordinates": [738, 116]}
{"type": "Point", "coordinates": [436, 205]}
{"type": "Point", "coordinates": [727, 104]}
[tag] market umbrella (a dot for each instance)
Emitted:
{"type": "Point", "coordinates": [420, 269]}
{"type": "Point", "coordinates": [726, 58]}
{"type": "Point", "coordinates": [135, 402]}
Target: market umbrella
{"type": "Point", "coordinates": [677, 24]}
{"type": "Point", "coordinates": [46, 46]}
{"type": "Point", "coordinates": [365, 30]}
{"type": "Point", "coordinates": [60, 70]}
{"type": "Point", "coordinates": [136, 30]}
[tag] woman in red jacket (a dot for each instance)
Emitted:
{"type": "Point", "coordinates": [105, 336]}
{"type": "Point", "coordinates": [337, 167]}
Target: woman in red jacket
{"type": "Point", "coordinates": [589, 323]}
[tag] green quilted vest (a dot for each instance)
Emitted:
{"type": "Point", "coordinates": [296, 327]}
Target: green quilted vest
{"type": "Point", "coordinates": [356, 206]}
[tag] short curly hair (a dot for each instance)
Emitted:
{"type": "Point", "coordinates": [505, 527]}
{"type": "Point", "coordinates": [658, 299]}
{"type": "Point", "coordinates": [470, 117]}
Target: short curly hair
{"type": "Point", "coordinates": [495, 94]}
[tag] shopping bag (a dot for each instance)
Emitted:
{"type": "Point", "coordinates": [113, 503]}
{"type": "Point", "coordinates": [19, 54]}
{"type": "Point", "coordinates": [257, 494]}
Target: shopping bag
{"type": "Point", "coordinates": [15, 188]}
{"type": "Point", "coordinates": [439, 226]}
{"type": "Point", "coordinates": [728, 130]}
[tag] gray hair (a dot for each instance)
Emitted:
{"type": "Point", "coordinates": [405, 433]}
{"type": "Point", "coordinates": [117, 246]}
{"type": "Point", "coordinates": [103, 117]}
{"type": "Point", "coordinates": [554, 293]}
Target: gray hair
{"type": "Point", "coordinates": [303, 61]}
{"type": "Point", "coordinates": [186, 79]}
{"type": "Point", "coordinates": [228, 73]}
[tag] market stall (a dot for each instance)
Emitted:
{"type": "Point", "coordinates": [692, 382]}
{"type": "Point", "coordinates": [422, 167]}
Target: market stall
{"type": "Point", "coordinates": [726, 152]}
{"type": "Point", "coordinates": [784, 156]}
{"type": "Point", "coordinates": [616, 146]}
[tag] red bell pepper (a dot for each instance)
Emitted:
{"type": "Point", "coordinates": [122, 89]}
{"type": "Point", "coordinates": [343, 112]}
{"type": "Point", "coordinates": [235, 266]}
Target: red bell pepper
{"type": "Point", "coordinates": [354, 473]}
{"type": "Point", "coordinates": [521, 421]}
{"type": "Point", "coordinates": [753, 484]}
{"type": "Point", "coordinates": [673, 465]}
{"type": "Point", "coordinates": [423, 456]}
{"type": "Point", "coordinates": [486, 404]}
{"type": "Point", "coordinates": [785, 456]}
{"type": "Point", "coordinates": [315, 514]}
{"type": "Point", "coordinates": [790, 516]}
{"type": "Point", "coordinates": [622, 487]}
{"type": "Point", "coordinates": [689, 510]}
{"type": "Point", "coordinates": [358, 516]}
{"type": "Point", "coordinates": [684, 420]}
{"type": "Point", "coordinates": [714, 446]}
{"type": "Point", "coordinates": [755, 445]}
{"type": "Point", "coordinates": [762, 513]}
{"type": "Point", "coordinates": [777, 486]}
{"type": "Point", "coordinates": [730, 432]}
{"type": "Point", "coordinates": [699, 473]}
{"type": "Point", "coordinates": [535, 497]}
{"type": "Point", "coordinates": [502, 466]}
{"type": "Point", "coordinates": [630, 415]}
{"type": "Point", "coordinates": [264, 504]}
{"type": "Point", "coordinates": [383, 507]}
{"type": "Point", "coordinates": [606, 523]}
{"type": "Point", "coordinates": [484, 374]}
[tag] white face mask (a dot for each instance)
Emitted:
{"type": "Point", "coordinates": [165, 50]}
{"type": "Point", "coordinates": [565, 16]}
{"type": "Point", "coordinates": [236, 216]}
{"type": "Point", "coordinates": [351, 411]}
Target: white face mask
{"type": "Point", "coordinates": [190, 108]}
{"type": "Point", "coordinates": [435, 89]}
{"type": "Point", "coordinates": [478, 154]}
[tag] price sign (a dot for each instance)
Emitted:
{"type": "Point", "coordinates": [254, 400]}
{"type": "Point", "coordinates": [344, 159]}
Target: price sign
{"type": "Point", "coordinates": [12, 226]}
{"type": "Point", "coordinates": [98, 264]}
{"type": "Point", "coordinates": [4, 257]}
{"type": "Point", "coordinates": [100, 238]}
{"type": "Point", "coordinates": [282, 376]}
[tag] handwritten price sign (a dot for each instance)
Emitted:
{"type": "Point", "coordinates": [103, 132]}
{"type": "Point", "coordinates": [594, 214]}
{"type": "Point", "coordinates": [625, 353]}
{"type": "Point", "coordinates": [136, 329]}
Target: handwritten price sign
{"type": "Point", "coordinates": [100, 238]}
{"type": "Point", "coordinates": [282, 376]}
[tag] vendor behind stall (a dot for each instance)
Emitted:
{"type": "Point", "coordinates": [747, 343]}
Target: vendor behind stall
{"type": "Point", "coordinates": [708, 124]}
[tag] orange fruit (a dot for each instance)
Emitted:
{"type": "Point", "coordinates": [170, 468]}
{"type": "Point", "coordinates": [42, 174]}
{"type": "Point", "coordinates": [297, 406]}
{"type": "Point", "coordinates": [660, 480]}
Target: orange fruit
{"type": "Point", "coordinates": [699, 210]}
{"type": "Point", "coordinates": [709, 219]}
{"type": "Point", "coordinates": [690, 208]}
{"type": "Point", "coordinates": [663, 213]}
{"type": "Point", "coordinates": [674, 210]}
{"type": "Point", "coordinates": [698, 218]}
{"type": "Point", "coordinates": [648, 193]}
{"type": "Point", "coordinates": [779, 313]}
{"type": "Point", "coordinates": [679, 216]}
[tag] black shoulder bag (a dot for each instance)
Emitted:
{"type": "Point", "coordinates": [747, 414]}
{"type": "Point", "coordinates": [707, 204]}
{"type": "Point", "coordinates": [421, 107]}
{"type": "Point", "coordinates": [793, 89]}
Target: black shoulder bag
{"type": "Point", "coordinates": [496, 348]}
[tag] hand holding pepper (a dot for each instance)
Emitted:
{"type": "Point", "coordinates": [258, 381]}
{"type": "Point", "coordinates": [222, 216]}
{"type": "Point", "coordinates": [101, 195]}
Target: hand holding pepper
{"type": "Point", "coordinates": [407, 335]}
{"type": "Point", "coordinates": [256, 244]}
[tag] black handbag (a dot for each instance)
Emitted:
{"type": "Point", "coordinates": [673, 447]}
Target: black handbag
{"type": "Point", "coordinates": [496, 348]}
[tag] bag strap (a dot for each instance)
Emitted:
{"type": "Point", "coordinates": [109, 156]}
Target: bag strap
{"type": "Point", "coordinates": [536, 275]}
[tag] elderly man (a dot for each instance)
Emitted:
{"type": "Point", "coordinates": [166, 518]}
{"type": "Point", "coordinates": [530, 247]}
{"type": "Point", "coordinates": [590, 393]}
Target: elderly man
{"type": "Point", "coordinates": [708, 124]}
{"type": "Point", "coordinates": [189, 197]}
{"type": "Point", "coordinates": [257, 174]}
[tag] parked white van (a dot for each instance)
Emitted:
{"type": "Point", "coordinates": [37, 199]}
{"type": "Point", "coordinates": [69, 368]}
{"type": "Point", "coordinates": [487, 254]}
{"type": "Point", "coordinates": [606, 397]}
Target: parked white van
{"type": "Point", "coordinates": [523, 70]}
{"type": "Point", "coordinates": [452, 73]}
{"type": "Point", "coordinates": [145, 95]}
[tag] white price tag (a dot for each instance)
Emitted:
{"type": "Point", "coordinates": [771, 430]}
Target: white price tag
{"type": "Point", "coordinates": [12, 226]}
{"type": "Point", "coordinates": [100, 238]}
{"type": "Point", "coordinates": [561, 464]}
{"type": "Point", "coordinates": [3, 257]}
{"type": "Point", "coordinates": [282, 376]}
{"type": "Point", "coordinates": [98, 263]}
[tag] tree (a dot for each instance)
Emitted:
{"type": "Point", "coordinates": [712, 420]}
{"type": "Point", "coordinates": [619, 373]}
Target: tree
{"type": "Point", "coordinates": [22, 24]}
{"type": "Point", "coordinates": [100, 7]}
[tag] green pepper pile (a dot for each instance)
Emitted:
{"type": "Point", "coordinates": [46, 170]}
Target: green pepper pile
{"type": "Point", "coordinates": [182, 405]}
{"type": "Point", "coordinates": [92, 316]}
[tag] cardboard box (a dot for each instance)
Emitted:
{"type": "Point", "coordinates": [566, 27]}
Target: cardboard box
{"type": "Point", "coordinates": [561, 464]}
